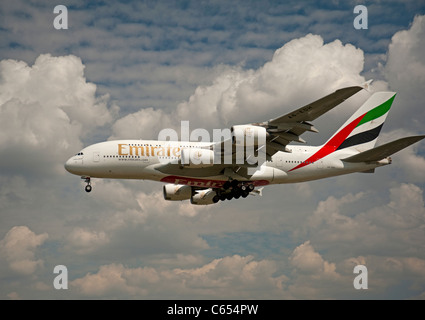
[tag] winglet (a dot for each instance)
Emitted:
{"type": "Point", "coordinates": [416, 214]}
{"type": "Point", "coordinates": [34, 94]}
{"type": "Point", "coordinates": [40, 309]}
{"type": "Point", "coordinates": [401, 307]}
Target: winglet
{"type": "Point", "coordinates": [366, 84]}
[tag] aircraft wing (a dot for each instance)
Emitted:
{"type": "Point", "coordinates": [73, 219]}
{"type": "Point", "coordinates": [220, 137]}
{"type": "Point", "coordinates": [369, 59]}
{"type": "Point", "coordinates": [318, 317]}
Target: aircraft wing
{"type": "Point", "coordinates": [289, 127]}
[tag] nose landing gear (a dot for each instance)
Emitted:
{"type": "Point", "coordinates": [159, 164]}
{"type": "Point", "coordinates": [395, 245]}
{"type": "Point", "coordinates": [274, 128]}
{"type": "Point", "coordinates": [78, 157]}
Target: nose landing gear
{"type": "Point", "coordinates": [88, 187]}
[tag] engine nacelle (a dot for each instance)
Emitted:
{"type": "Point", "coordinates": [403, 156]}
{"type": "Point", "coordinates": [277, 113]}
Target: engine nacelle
{"type": "Point", "coordinates": [247, 135]}
{"type": "Point", "coordinates": [204, 197]}
{"type": "Point", "coordinates": [177, 192]}
{"type": "Point", "coordinates": [197, 158]}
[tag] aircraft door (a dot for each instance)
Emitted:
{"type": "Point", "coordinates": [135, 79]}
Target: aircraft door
{"type": "Point", "coordinates": [280, 161]}
{"type": "Point", "coordinates": [96, 156]}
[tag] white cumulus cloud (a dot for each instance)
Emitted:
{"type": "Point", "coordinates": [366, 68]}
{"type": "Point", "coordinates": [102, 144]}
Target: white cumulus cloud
{"type": "Point", "coordinates": [238, 96]}
{"type": "Point", "coordinates": [307, 261]}
{"type": "Point", "coordinates": [45, 110]}
{"type": "Point", "coordinates": [405, 72]}
{"type": "Point", "coordinates": [228, 277]}
{"type": "Point", "coordinates": [18, 249]}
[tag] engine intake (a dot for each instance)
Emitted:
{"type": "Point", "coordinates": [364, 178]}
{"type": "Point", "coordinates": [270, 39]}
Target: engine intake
{"type": "Point", "coordinates": [204, 197]}
{"type": "Point", "coordinates": [250, 142]}
{"type": "Point", "coordinates": [177, 192]}
{"type": "Point", "coordinates": [249, 135]}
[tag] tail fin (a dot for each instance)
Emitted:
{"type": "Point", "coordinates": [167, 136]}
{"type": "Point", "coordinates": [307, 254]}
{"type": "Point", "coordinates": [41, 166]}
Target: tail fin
{"type": "Point", "coordinates": [362, 129]}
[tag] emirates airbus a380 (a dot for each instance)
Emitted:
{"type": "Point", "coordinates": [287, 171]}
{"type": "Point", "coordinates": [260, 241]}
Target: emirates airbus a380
{"type": "Point", "coordinates": [209, 172]}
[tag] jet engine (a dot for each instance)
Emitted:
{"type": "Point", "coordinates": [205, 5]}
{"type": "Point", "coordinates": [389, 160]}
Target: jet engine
{"type": "Point", "coordinates": [176, 192]}
{"type": "Point", "coordinates": [204, 197]}
{"type": "Point", "coordinates": [197, 158]}
{"type": "Point", "coordinates": [249, 135]}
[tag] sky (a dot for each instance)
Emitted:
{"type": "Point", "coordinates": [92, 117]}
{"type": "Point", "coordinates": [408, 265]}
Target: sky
{"type": "Point", "coordinates": [127, 69]}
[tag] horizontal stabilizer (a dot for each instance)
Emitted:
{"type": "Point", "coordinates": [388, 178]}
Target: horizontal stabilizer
{"type": "Point", "coordinates": [384, 151]}
{"type": "Point", "coordinates": [257, 192]}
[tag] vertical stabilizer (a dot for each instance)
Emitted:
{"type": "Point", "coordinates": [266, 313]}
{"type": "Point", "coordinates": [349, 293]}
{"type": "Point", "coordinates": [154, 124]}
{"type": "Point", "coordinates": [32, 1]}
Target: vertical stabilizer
{"type": "Point", "coordinates": [362, 129]}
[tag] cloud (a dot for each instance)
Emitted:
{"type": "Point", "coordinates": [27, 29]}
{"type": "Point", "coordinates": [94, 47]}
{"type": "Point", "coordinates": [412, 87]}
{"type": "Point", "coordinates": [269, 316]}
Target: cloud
{"type": "Point", "coordinates": [229, 277]}
{"type": "Point", "coordinates": [308, 261]}
{"type": "Point", "coordinates": [385, 274]}
{"type": "Point", "coordinates": [405, 64]}
{"type": "Point", "coordinates": [13, 296]}
{"type": "Point", "coordinates": [313, 277]}
{"type": "Point", "coordinates": [405, 72]}
{"type": "Point", "coordinates": [115, 279]}
{"type": "Point", "coordinates": [85, 241]}
{"type": "Point", "coordinates": [399, 223]}
{"type": "Point", "coordinates": [346, 227]}
{"type": "Point", "coordinates": [144, 124]}
{"type": "Point", "coordinates": [131, 217]}
{"type": "Point", "coordinates": [236, 272]}
{"type": "Point", "coordinates": [238, 96]}
{"type": "Point", "coordinates": [241, 96]}
{"type": "Point", "coordinates": [302, 272]}
{"type": "Point", "coordinates": [328, 214]}
{"type": "Point", "coordinates": [18, 248]}
{"type": "Point", "coordinates": [45, 111]}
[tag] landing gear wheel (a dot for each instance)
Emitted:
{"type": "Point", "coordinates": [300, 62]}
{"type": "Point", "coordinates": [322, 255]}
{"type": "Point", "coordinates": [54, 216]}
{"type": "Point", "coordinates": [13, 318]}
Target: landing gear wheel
{"type": "Point", "coordinates": [88, 187]}
{"type": "Point", "coordinates": [251, 187]}
{"type": "Point", "coordinates": [234, 184]}
{"type": "Point", "coordinates": [226, 185]}
{"type": "Point", "coordinates": [236, 193]}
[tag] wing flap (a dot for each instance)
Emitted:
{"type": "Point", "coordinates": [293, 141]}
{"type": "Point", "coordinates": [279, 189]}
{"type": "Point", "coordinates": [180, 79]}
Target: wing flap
{"type": "Point", "coordinates": [384, 150]}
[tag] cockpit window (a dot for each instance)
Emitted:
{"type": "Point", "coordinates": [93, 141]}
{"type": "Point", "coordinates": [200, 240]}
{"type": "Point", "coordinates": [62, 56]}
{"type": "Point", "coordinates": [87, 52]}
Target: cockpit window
{"type": "Point", "coordinates": [79, 154]}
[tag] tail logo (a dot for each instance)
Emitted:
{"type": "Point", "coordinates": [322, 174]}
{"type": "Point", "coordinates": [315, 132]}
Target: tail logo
{"type": "Point", "coordinates": [343, 138]}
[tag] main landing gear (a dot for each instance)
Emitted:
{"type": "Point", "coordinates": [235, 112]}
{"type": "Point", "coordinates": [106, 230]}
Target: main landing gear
{"type": "Point", "coordinates": [88, 187]}
{"type": "Point", "coordinates": [233, 189]}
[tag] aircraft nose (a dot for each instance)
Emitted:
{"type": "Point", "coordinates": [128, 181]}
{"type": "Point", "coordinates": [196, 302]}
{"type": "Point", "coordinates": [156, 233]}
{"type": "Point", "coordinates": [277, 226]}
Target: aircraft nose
{"type": "Point", "coordinates": [68, 165]}
{"type": "Point", "coordinates": [73, 165]}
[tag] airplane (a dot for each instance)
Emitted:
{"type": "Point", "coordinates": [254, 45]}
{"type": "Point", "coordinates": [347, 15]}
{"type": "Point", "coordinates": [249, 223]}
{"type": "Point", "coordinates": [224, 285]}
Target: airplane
{"type": "Point", "coordinates": [196, 171]}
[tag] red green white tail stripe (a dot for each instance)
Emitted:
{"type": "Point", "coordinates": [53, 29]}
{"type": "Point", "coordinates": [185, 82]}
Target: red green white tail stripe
{"type": "Point", "coordinates": [360, 131]}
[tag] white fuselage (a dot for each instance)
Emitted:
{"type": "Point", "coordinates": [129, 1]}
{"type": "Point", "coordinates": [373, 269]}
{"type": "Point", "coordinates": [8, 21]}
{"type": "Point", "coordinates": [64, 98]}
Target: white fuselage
{"type": "Point", "coordinates": [140, 159]}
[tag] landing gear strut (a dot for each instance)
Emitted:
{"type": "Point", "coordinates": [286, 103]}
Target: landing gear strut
{"type": "Point", "coordinates": [88, 187]}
